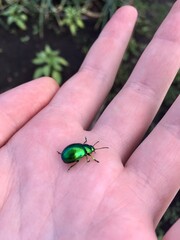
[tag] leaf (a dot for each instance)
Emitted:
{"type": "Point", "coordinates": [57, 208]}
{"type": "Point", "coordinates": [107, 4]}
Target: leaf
{"type": "Point", "coordinates": [55, 53]}
{"type": "Point", "coordinates": [38, 73]}
{"type": "Point", "coordinates": [62, 61]}
{"type": "Point", "coordinates": [57, 76]}
{"type": "Point", "coordinates": [24, 17]}
{"type": "Point", "coordinates": [73, 29]}
{"type": "Point", "coordinates": [47, 70]}
{"type": "Point", "coordinates": [25, 39]}
{"type": "Point", "coordinates": [10, 20]}
{"type": "Point", "coordinates": [57, 67]}
{"type": "Point", "coordinates": [80, 23]}
{"type": "Point", "coordinates": [38, 61]}
{"type": "Point", "coordinates": [42, 55]}
{"type": "Point", "coordinates": [20, 24]}
{"type": "Point", "coordinates": [48, 49]}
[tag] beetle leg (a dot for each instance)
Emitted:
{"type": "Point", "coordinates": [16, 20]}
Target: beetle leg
{"type": "Point", "coordinates": [58, 152]}
{"type": "Point", "coordinates": [93, 158]}
{"type": "Point", "coordinates": [73, 165]}
{"type": "Point", "coordinates": [85, 140]}
{"type": "Point", "coordinates": [88, 160]}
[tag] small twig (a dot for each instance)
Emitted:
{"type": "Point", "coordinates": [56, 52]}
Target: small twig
{"type": "Point", "coordinates": [91, 14]}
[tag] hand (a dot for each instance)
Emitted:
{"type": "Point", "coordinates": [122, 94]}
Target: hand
{"type": "Point", "coordinates": [123, 196]}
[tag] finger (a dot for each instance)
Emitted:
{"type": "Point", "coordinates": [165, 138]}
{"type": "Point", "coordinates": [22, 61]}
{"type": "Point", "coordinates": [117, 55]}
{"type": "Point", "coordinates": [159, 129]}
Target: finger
{"type": "Point", "coordinates": [131, 112]}
{"type": "Point", "coordinates": [20, 104]}
{"type": "Point", "coordinates": [84, 93]}
{"type": "Point", "coordinates": [155, 165]}
{"type": "Point", "coordinates": [174, 232]}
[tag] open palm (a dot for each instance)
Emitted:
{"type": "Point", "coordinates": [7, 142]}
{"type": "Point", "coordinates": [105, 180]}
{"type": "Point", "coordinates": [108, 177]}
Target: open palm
{"type": "Point", "coordinates": [123, 196]}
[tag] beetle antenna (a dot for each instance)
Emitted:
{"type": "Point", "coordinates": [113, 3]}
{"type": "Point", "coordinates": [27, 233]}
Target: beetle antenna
{"type": "Point", "coordinates": [100, 148]}
{"type": "Point", "coordinates": [95, 143]}
{"type": "Point", "coordinates": [58, 152]}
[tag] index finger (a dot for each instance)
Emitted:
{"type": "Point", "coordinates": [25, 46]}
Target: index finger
{"type": "Point", "coordinates": [84, 93]}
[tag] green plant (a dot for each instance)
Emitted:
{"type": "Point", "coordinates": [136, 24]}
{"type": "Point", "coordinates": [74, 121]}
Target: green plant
{"type": "Point", "coordinates": [72, 19]}
{"type": "Point", "coordinates": [43, 11]}
{"type": "Point", "coordinates": [68, 13]}
{"type": "Point", "coordinates": [169, 218]}
{"type": "Point", "coordinates": [64, 13]}
{"type": "Point", "coordinates": [49, 63]}
{"type": "Point", "coordinates": [16, 14]}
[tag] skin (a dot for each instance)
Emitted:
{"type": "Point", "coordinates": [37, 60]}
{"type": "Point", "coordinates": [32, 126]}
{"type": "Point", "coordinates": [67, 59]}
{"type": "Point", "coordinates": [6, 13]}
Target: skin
{"type": "Point", "coordinates": [126, 194]}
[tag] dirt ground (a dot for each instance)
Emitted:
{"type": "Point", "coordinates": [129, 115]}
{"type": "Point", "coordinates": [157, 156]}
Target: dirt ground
{"type": "Point", "coordinates": [16, 56]}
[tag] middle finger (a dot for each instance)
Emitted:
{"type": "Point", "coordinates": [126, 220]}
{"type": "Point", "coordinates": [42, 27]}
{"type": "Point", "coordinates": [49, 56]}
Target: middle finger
{"type": "Point", "coordinates": [132, 110]}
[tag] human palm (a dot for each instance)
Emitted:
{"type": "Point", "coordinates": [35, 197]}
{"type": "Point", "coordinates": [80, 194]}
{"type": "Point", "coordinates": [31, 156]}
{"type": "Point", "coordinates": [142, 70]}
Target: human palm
{"type": "Point", "coordinates": [123, 196]}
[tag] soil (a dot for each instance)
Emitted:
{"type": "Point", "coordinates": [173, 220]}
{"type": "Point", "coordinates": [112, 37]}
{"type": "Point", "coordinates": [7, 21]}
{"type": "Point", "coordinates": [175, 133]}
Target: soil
{"type": "Point", "coordinates": [16, 56]}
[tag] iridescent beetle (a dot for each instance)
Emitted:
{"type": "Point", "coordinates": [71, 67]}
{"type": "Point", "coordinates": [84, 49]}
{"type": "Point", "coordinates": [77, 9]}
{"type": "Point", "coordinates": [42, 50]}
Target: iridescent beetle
{"type": "Point", "coordinates": [74, 152]}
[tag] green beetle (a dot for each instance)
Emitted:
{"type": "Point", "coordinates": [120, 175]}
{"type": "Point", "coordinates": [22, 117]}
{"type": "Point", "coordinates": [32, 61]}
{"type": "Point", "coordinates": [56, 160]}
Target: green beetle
{"type": "Point", "coordinates": [74, 152]}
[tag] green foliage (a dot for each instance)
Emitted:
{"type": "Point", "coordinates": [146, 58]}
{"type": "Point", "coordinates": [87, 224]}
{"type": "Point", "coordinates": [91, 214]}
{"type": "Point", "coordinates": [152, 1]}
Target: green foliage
{"type": "Point", "coordinates": [25, 39]}
{"type": "Point", "coordinates": [64, 13]}
{"type": "Point", "coordinates": [72, 19]}
{"type": "Point", "coordinates": [151, 15]}
{"type": "Point", "coordinates": [70, 13]}
{"type": "Point", "coordinates": [173, 91]}
{"type": "Point", "coordinates": [16, 14]}
{"type": "Point", "coordinates": [170, 217]}
{"type": "Point", "coordinates": [109, 7]}
{"type": "Point", "coordinates": [41, 10]}
{"type": "Point", "coordinates": [49, 63]}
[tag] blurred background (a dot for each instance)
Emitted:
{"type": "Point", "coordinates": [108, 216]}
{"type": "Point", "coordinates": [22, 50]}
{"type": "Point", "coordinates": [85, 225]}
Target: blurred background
{"type": "Point", "coordinates": [51, 38]}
